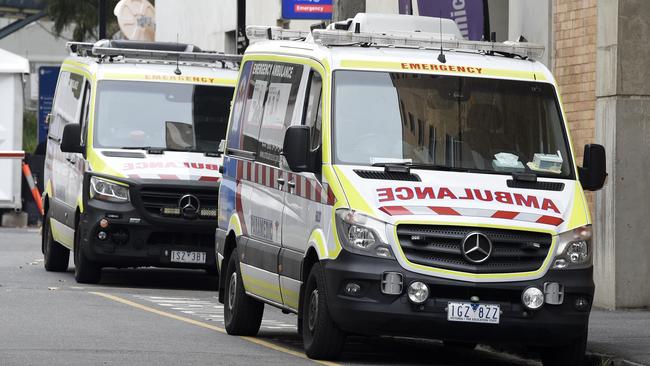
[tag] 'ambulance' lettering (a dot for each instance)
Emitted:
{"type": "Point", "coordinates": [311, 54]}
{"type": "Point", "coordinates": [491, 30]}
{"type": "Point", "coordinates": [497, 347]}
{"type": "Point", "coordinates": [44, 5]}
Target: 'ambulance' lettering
{"type": "Point", "coordinates": [423, 193]}
{"type": "Point", "coordinates": [169, 165]}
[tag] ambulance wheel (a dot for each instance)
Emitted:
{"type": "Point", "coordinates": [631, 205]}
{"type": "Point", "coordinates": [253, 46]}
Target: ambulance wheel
{"type": "Point", "coordinates": [85, 270]}
{"type": "Point", "coordinates": [322, 339]}
{"type": "Point", "coordinates": [242, 313]}
{"type": "Point", "coordinates": [572, 354]}
{"type": "Point", "coordinates": [56, 256]}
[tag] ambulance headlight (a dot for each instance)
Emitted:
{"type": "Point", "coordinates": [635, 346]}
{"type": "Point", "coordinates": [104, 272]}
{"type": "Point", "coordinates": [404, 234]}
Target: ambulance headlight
{"type": "Point", "coordinates": [105, 190]}
{"type": "Point", "coordinates": [360, 237]}
{"type": "Point", "coordinates": [362, 234]}
{"type": "Point", "coordinates": [574, 249]}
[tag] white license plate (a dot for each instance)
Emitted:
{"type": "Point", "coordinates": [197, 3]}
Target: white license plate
{"type": "Point", "coordinates": [473, 313]}
{"type": "Point", "coordinates": [179, 256]}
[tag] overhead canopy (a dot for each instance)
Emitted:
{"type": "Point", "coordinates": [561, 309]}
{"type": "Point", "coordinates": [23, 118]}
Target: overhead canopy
{"type": "Point", "coordinates": [21, 7]}
{"type": "Point", "coordinates": [11, 63]}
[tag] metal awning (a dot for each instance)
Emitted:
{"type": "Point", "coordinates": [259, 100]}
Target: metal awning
{"type": "Point", "coordinates": [21, 8]}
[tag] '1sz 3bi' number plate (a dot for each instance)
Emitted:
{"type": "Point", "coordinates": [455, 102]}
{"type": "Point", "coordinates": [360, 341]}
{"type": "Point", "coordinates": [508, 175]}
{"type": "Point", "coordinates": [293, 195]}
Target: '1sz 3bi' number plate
{"type": "Point", "coordinates": [179, 256]}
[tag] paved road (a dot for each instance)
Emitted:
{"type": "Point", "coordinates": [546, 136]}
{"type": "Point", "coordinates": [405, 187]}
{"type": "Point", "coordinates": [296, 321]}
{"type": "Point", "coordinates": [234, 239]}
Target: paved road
{"type": "Point", "coordinates": [156, 316]}
{"type": "Point", "coordinates": [623, 334]}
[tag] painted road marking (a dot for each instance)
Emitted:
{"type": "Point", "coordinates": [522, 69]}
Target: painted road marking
{"type": "Point", "coordinates": [206, 309]}
{"type": "Point", "coordinates": [257, 341]}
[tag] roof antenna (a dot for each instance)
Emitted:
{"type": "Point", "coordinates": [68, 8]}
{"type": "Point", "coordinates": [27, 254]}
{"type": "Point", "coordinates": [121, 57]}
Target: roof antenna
{"type": "Point", "coordinates": [178, 56]}
{"type": "Point", "coordinates": [441, 56]}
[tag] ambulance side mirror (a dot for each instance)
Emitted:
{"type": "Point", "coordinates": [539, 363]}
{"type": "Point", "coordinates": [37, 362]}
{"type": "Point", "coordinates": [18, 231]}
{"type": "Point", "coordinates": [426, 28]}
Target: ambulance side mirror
{"type": "Point", "coordinates": [593, 171]}
{"type": "Point", "coordinates": [296, 148]}
{"type": "Point", "coordinates": [71, 138]}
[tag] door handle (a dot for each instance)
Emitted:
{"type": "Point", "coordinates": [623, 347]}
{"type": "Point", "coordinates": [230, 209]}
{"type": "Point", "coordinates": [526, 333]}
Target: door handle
{"type": "Point", "coordinates": [291, 184]}
{"type": "Point", "coordinates": [281, 182]}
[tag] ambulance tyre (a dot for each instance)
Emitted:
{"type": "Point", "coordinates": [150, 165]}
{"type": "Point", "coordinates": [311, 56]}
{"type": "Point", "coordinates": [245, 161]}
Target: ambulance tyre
{"type": "Point", "coordinates": [321, 337]}
{"type": "Point", "coordinates": [242, 313]}
{"type": "Point", "coordinates": [56, 256]}
{"type": "Point", "coordinates": [571, 354]}
{"type": "Point", "coordinates": [85, 270]}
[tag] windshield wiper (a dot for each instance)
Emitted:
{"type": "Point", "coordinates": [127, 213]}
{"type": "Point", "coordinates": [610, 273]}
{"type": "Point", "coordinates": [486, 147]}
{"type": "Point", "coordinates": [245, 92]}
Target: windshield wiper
{"type": "Point", "coordinates": [148, 149]}
{"type": "Point", "coordinates": [524, 177]}
{"type": "Point", "coordinates": [405, 167]}
{"type": "Point", "coordinates": [160, 150]}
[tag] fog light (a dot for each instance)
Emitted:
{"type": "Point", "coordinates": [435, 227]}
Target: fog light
{"type": "Point", "coordinates": [418, 292]}
{"type": "Point", "coordinates": [103, 223]}
{"type": "Point", "coordinates": [560, 263]}
{"type": "Point", "coordinates": [383, 251]}
{"type": "Point", "coordinates": [391, 283]}
{"type": "Point", "coordinates": [102, 235]}
{"type": "Point", "coordinates": [353, 289]}
{"type": "Point", "coordinates": [533, 298]}
{"type": "Point", "coordinates": [581, 304]}
{"type": "Point", "coordinates": [208, 212]}
{"type": "Point", "coordinates": [170, 211]}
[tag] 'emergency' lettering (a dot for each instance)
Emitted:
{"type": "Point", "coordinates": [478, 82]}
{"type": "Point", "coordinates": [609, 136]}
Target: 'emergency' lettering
{"type": "Point", "coordinates": [446, 68]}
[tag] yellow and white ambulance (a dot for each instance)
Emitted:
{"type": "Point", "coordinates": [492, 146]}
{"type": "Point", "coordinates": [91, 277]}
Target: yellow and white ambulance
{"type": "Point", "coordinates": [386, 177]}
{"type": "Point", "coordinates": [132, 168]}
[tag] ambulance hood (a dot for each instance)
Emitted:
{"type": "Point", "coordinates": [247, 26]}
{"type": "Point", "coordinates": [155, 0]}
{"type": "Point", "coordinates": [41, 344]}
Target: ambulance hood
{"type": "Point", "coordinates": [170, 165]}
{"type": "Point", "coordinates": [465, 199]}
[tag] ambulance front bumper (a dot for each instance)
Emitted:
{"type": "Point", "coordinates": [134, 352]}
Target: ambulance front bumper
{"type": "Point", "coordinates": [135, 238]}
{"type": "Point", "coordinates": [371, 312]}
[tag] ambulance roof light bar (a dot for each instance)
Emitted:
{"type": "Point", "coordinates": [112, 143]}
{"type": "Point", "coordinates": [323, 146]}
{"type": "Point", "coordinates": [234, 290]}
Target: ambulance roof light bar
{"type": "Point", "coordinates": [261, 32]}
{"type": "Point", "coordinates": [104, 49]}
{"type": "Point", "coordinates": [328, 37]}
{"type": "Point", "coordinates": [79, 48]}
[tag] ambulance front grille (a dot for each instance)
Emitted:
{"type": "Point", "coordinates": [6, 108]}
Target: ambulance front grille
{"type": "Point", "coordinates": [440, 247]}
{"type": "Point", "coordinates": [154, 199]}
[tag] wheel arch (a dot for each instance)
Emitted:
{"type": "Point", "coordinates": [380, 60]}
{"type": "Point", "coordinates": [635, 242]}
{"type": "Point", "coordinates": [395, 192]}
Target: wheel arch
{"type": "Point", "coordinates": [228, 248]}
{"type": "Point", "coordinates": [311, 258]}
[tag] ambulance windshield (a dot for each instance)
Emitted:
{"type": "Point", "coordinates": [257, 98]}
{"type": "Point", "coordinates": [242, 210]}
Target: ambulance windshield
{"type": "Point", "coordinates": [167, 116]}
{"type": "Point", "coordinates": [458, 123]}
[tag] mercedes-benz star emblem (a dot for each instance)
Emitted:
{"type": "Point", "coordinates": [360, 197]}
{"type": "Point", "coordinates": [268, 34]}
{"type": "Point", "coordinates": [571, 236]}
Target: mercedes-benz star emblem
{"type": "Point", "coordinates": [476, 247]}
{"type": "Point", "coordinates": [189, 205]}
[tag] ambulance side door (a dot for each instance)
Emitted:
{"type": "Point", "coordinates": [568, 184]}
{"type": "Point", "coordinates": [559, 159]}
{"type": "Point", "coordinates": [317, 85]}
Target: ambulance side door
{"type": "Point", "coordinates": [303, 211]}
{"type": "Point", "coordinates": [77, 161]}
{"type": "Point", "coordinates": [66, 109]}
{"type": "Point", "coordinates": [272, 100]}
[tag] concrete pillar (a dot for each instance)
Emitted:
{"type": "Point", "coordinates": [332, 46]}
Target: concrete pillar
{"type": "Point", "coordinates": [622, 222]}
{"type": "Point", "coordinates": [344, 9]}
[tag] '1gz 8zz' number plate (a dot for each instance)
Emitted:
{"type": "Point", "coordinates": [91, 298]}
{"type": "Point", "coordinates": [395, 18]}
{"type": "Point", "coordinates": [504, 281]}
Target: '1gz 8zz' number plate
{"type": "Point", "coordinates": [473, 313]}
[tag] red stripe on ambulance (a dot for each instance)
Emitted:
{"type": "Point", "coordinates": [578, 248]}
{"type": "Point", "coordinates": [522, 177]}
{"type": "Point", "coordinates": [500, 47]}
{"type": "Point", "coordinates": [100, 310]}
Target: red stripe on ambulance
{"type": "Point", "coordinates": [268, 176]}
{"type": "Point", "coordinates": [471, 212]}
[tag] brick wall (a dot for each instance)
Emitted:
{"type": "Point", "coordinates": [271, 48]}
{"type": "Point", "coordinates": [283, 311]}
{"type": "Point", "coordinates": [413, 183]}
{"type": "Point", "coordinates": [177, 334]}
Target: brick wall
{"type": "Point", "coordinates": [574, 67]}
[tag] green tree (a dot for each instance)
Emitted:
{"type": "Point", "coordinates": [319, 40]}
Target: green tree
{"type": "Point", "coordinates": [83, 16]}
